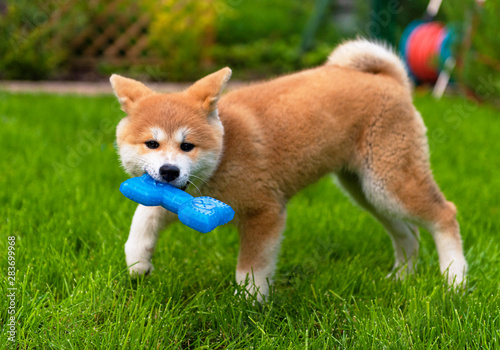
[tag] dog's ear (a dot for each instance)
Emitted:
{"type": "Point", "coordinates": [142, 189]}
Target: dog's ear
{"type": "Point", "coordinates": [128, 91]}
{"type": "Point", "coordinates": [208, 89]}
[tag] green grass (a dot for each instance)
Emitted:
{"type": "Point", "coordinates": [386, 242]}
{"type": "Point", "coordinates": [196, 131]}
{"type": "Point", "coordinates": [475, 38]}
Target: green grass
{"type": "Point", "coordinates": [59, 196]}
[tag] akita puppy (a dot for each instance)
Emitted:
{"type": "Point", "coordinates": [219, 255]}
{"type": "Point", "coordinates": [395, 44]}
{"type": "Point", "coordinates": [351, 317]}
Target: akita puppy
{"type": "Point", "coordinates": [255, 147]}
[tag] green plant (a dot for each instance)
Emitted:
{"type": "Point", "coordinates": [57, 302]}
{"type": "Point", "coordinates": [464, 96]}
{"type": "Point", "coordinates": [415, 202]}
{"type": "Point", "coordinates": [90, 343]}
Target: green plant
{"type": "Point", "coordinates": [35, 38]}
{"type": "Point", "coordinates": [257, 38]}
{"type": "Point", "coordinates": [478, 53]}
{"type": "Point", "coordinates": [181, 33]}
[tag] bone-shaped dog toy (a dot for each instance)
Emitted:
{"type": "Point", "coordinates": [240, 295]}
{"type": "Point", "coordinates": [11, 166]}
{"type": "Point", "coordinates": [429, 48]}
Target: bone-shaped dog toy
{"type": "Point", "coordinates": [200, 213]}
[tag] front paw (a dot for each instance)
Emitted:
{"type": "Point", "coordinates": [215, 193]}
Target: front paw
{"type": "Point", "coordinates": [140, 268]}
{"type": "Point", "coordinates": [253, 285]}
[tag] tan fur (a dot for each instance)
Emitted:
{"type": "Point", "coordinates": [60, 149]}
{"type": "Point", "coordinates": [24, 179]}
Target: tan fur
{"type": "Point", "coordinates": [282, 135]}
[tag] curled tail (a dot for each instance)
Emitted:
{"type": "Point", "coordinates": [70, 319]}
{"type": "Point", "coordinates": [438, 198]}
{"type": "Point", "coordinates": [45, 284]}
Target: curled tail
{"type": "Point", "coordinates": [370, 57]}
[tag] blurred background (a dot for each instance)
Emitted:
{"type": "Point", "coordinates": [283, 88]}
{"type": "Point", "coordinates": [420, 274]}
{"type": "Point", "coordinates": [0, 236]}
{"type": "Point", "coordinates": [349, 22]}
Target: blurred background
{"type": "Point", "coordinates": [181, 40]}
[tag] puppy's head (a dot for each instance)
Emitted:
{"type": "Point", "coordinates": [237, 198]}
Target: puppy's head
{"type": "Point", "coordinates": [175, 138]}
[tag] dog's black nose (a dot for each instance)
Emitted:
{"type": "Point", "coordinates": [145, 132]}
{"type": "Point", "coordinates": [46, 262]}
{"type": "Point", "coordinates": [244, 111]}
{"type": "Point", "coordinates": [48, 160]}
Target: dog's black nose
{"type": "Point", "coordinates": [169, 172]}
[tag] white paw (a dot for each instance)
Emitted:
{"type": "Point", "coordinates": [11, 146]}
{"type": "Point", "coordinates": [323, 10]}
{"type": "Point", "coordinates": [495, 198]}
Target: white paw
{"type": "Point", "coordinates": [402, 270]}
{"type": "Point", "coordinates": [456, 273]}
{"type": "Point", "coordinates": [255, 286]}
{"type": "Point", "coordinates": [250, 292]}
{"type": "Point", "coordinates": [140, 268]}
{"type": "Point", "coordinates": [399, 273]}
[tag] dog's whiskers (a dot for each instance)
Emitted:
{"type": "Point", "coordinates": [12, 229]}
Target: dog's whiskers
{"type": "Point", "coordinates": [197, 188]}
{"type": "Point", "coordinates": [199, 178]}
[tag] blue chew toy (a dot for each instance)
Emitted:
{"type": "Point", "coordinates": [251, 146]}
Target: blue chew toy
{"type": "Point", "coordinates": [201, 213]}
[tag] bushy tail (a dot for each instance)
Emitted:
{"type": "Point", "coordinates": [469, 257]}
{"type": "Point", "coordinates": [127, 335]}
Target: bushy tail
{"type": "Point", "coordinates": [370, 57]}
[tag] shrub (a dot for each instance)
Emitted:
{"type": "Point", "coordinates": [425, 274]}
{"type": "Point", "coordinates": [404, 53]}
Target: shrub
{"type": "Point", "coordinates": [36, 38]}
{"type": "Point", "coordinates": [256, 38]}
{"type": "Point", "coordinates": [181, 33]}
{"type": "Point", "coordinates": [480, 69]}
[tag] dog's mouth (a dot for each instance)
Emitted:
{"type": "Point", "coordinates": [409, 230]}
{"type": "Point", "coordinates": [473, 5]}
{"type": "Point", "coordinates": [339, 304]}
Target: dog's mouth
{"type": "Point", "coordinates": [180, 185]}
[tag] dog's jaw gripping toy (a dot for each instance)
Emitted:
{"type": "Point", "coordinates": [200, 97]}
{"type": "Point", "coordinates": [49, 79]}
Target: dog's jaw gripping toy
{"type": "Point", "coordinates": [200, 213]}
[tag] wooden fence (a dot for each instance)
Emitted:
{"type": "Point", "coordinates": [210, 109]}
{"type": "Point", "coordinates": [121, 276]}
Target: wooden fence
{"type": "Point", "coordinates": [82, 37]}
{"type": "Point", "coordinates": [113, 36]}
{"type": "Point", "coordinates": [116, 32]}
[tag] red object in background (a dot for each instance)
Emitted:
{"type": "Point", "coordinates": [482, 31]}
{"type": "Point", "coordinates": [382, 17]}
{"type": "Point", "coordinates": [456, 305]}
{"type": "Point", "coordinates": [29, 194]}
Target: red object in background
{"type": "Point", "coordinates": [423, 52]}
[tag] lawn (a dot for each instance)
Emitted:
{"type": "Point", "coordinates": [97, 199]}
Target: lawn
{"type": "Point", "coordinates": [59, 197]}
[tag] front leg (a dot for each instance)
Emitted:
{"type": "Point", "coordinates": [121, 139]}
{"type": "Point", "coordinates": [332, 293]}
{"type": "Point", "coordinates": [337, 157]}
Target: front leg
{"type": "Point", "coordinates": [139, 249]}
{"type": "Point", "coordinates": [260, 238]}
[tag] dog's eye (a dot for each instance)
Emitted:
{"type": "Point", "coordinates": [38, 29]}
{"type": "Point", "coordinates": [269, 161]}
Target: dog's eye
{"type": "Point", "coordinates": [152, 144]}
{"type": "Point", "coordinates": [186, 146]}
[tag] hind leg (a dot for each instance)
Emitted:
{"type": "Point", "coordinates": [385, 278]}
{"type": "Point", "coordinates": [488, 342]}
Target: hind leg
{"type": "Point", "coordinates": [392, 162]}
{"type": "Point", "coordinates": [446, 233]}
{"type": "Point", "coordinates": [404, 235]}
{"type": "Point", "coordinates": [410, 193]}
{"type": "Point", "coordinates": [405, 242]}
